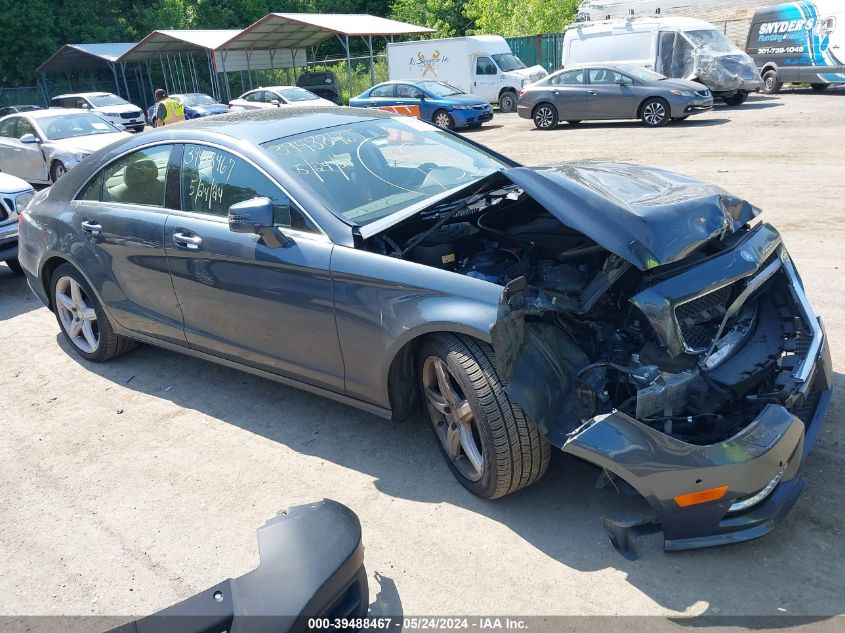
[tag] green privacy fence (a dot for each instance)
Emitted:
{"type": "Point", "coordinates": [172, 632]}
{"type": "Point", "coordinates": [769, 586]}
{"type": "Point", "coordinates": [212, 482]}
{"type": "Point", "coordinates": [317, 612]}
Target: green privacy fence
{"type": "Point", "coordinates": [546, 50]}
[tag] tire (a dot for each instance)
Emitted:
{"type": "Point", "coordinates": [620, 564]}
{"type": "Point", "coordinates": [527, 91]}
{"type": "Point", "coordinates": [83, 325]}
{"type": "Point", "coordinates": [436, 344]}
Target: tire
{"type": "Point", "coordinates": [15, 266]}
{"type": "Point", "coordinates": [655, 112]}
{"type": "Point", "coordinates": [57, 170]}
{"type": "Point", "coordinates": [443, 119]}
{"type": "Point", "coordinates": [545, 116]}
{"type": "Point", "coordinates": [95, 339]}
{"type": "Point", "coordinates": [738, 98]}
{"type": "Point", "coordinates": [573, 122]}
{"type": "Point", "coordinates": [819, 87]}
{"type": "Point", "coordinates": [509, 451]}
{"type": "Point", "coordinates": [507, 101]}
{"type": "Point", "coordinates": [771, 83]}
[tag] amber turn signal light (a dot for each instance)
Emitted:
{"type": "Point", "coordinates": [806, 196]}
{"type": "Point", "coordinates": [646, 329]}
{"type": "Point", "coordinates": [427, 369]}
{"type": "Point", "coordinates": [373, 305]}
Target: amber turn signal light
{"type": "Point", "coordinates": [702, 496]}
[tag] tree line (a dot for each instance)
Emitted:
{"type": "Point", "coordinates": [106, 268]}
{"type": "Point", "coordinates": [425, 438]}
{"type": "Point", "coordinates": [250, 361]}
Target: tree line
{"type": "Point", "coordinates": [32, 30]}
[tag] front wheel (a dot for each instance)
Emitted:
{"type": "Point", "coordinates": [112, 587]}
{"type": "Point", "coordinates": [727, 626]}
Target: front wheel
{"type": "Point", "coordinates": [57, 170]}
{"type": "Point", "coordinates": [443, 119]}
{"type": "Point", "coordinates": [489, 444]}
{"type": "Point", "coordinates": [545, 116]}
{"type": "Point", "coordinates": [771, 83]}
{"type": "Point", "coordinates": [82, 319]}
{"type": "Point", "coordinates": [507, 102]}
{"type": "Point", "coordinates": [655, 113]}
{"type": "Point", "coordinates": [819, 87]}
{"type": "Point", "coordinates": [737, 98]}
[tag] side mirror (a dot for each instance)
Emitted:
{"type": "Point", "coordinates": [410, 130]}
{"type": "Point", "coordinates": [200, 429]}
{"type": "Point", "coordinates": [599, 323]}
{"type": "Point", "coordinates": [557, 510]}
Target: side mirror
{"type": "Point", "coordinates": [86, 106]}
{"type": "Point", "coordinates": [420, 96]}
{"type": "Point", "coordinates": [275, 102]}
{"type": "Point", "coordinates": [29, 138]}
{"type": "Point", "coordinates": [256, 216]}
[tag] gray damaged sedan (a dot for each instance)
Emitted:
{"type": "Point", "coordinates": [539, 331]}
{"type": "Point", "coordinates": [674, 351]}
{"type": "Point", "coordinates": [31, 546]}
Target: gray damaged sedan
{"type": "Point", "coordinates": [635, 318]}
{"type": "Point", "coordinates": [41, 146]}
{"type": "Point", "coordinates": [598, 92]}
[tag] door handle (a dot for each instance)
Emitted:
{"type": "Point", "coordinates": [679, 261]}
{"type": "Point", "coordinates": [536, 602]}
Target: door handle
{"type": "Point", "coordinates": [192, 242]}
{"type": "Point", "coordinates": [592, 92]}
{"type": "Point", "coordinates": [91, 227]}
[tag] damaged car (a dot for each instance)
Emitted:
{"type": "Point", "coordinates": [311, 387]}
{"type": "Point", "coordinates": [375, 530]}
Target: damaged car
{"type": "Point", "coordinates": [638, 319]}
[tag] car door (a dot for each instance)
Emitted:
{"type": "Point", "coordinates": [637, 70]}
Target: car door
{"type": "Point", "coordinates": [485, 81]}
{"type": "Point", "coordinates": [7, 144]}
{"type": "Point", "coordinates": [119, 217]}
{"type": "Point", "coordinates": [610, 95]}
{"type": "Point", "coordinates": [383, 96]}
{"type": "Point", "coordinates": [568, 92]}
{"type": "Point", "coordinates": [271, 308]}
{"type": "Point", "coordinates": [31, 160]}
{"type": "Point", "coordinates": [408, 95]}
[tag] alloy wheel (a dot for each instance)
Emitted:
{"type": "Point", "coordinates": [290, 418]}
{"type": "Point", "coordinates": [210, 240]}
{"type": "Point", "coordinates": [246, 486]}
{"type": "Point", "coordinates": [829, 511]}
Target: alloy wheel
{"type": "Point", "coordinates": [442, 119]}
{"type": "Point", "coordinates": [654, 113]}
{"type": "Point", "coordinates": [453, 419]}
{"type": "Point", "coordinates": [544, 117]}
{"type": "Point", "coordinates": [77, 316]}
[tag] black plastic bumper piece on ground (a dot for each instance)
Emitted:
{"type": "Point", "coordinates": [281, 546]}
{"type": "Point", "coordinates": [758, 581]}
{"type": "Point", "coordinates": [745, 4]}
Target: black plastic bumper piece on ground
{"type": "Point", "coordinates": [312, 566]}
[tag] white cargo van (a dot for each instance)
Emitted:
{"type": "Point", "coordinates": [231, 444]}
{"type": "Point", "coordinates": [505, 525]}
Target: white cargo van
{"type": "Point", "coordinates": [799, 42]}
{"type": "Point", "coordinates": [481, 65]}
{"type": "Point", "coordinates": [680, 48]}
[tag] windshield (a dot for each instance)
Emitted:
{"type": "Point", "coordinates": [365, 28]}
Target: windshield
{"type": "Point", "coordinates": [296, 94]}
{"type": "Point", "coordinates": [643, 74]}
{"type": "Point", "coordinates": [57, 128]}
{"type": "Point", "coordinates": [712, 38]}
{"type": "Point", "coordinates": [195, 100]}
{"type": "Point", "coordinates": [439, 88]}
{"type": "Point", "coordinates": [368, 170]}
{"type": "Point", "coordinates": [106, 100]}
{"type": "Point", "coordinates": [508, 62]}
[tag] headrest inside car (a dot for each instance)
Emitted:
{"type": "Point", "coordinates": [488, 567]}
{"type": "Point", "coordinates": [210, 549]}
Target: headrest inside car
{"type": "Point", "coordinates": [140, 173]}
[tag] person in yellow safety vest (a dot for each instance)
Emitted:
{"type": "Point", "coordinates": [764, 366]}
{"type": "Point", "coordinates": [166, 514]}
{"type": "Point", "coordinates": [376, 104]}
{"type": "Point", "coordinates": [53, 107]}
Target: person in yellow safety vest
{"type": "Point", "coordinates": [169, 110]}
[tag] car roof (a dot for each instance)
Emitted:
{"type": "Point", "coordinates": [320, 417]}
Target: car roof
{"type": "Point", "coordinates": [85, 94]}
{"type": "Point", "coordinates": [267, 124]}
{"type": "Point", "coordinates": [51, 112]}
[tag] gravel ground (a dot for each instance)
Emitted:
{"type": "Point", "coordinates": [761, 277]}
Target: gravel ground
{"type": "Point", "coordinates": [129, 486]}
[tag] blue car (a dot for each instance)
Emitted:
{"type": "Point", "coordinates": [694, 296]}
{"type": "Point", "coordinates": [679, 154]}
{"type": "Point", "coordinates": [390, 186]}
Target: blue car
{"type": "Point", "coordinates": [440, 103]}
{"type": "Point", "coordinates": [197, 104]}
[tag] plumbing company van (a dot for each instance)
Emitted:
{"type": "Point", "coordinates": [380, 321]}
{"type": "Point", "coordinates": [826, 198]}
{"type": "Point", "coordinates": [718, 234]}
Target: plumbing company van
{"type": "Point", "coordinates": [481, 65]}
{"type": "Point", "coordinates": [799, 42]}
{"type": "Point", "coordinates": [680, 48]}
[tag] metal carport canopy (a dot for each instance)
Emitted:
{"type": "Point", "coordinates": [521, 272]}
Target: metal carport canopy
{"type": "Point", "coordinates": [74, 57]}
{"type": "Point", "coordinates": [159, 43]}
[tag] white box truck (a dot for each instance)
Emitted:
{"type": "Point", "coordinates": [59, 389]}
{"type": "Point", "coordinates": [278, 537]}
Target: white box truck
{"type": "Point", "coordinates": [481, 65]}
{"type": "Point", "coordinates": [680, 48]}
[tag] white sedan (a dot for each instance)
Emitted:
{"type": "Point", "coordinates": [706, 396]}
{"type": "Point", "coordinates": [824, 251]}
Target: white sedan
{"type": "Point", "coordinates": [41, 146]}
{"type": "Point", "coordinates": [277, 96]}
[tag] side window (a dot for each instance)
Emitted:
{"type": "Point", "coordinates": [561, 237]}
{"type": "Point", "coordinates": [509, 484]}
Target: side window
{"type": "Point", "coordinates": [7, 127]}
{"type": "Point", "coordinates": [24, 127]}
{"type": "Point", "coordinates": [607, 76]}
{"type": "Point", "coordinates": [406, 91]}
{"type": "Point", "coordinates": [667, 50]}
{"type": "Point", "coordinates": [252, 97]}
{"type": "Point", "coordinates": [382, 91]}
{"type": "Point", "coordinates": [570, 78]}
{"type": "Point", "coordinates": [93, 190]}
{"type": "Point", "coordinates": [79, 102]}
{"type": "Point", "coordinates": [213, 180]}
{"type": "Point", "coordinates": [138, 178]}
{"type": "Point", "coordinates": [485, 66]}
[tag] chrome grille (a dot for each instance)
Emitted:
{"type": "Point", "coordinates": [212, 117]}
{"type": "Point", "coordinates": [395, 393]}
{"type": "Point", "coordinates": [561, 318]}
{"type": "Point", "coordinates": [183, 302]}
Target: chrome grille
{"type": "Point", "coordinates": [699, 319]}
{"type": "Point", "coordinates": [131, 115]}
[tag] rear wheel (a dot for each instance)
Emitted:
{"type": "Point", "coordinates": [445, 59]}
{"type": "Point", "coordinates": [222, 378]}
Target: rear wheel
{"type": "Point", "coordinates": [655, 112]}
{"type": "Point", "coordinates": [15, 265]}
{"type": "Point", "coordinates": [82, 319]}
{"type": "Point", "coordinates": [771, 83]}
{"type": "Point", "coordinates": [489, 444]}
{"type": "Point", "coordinates": [819, 87]}
{"type": "Point", "coordinates": [545, 116]}
{"type": "Point", "coordinates": [737, 98]}
{"type": "Point", "coordinates": [507, 101]}
{"type": "Point", "coordinates": [443, 119]}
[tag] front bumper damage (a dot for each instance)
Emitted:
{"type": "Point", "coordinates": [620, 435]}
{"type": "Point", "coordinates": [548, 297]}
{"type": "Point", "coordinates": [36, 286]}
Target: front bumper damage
{"type": "Point", "coordinates": [750, 480]}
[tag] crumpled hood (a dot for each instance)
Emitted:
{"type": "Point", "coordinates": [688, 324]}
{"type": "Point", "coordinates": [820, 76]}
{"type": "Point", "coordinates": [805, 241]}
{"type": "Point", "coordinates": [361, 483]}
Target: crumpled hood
{"type": "Point", "coordinates": [648, 216]}
{"type": "Point", "coordinates": [725, 71]}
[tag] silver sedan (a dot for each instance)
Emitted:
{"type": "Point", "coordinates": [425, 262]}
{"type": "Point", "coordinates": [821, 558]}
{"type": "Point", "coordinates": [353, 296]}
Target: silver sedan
{"type": "Point", "coordinates": [611, 92]}
{"type": "Point", "coordinates": [41, 146]}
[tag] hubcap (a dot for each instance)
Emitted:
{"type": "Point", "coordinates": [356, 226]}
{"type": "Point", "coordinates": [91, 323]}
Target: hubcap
{"type": "Point", "coordinates": [60, 171]}
{"type": "Point", "coordinates": [544, 117]}
{"type": "Point", "coordinates": [453, 419]}
{"type": "Point", "coordinates": [654, 113]}
{"type": "Point", "coordinates": [442, 120]}
{"type": "Point", "coordinates": [78, 318]}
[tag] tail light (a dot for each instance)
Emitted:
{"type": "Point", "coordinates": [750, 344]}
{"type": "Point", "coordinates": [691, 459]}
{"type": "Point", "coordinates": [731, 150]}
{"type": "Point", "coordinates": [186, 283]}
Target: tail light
{"type": "Point", "coordinates": [21, 213]}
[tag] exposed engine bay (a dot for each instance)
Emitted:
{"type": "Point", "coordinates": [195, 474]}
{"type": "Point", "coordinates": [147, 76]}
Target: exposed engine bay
{"type": "Point", "coordinates": [700, 371]}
